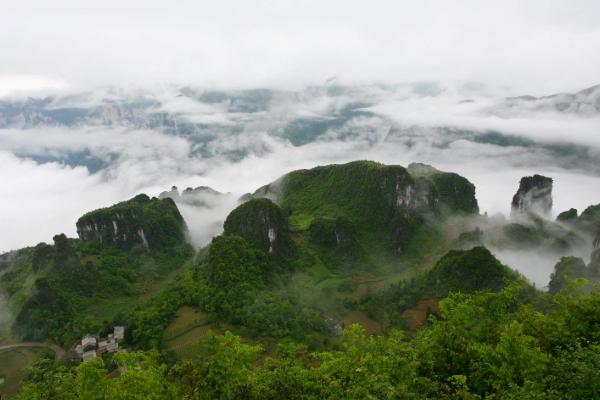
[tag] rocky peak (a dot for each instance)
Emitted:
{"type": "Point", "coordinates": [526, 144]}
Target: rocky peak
{"type": "Point", "coordinates": [263, 224]}
{"type": "Point", "coordinates": [140, 222]}
{"type": "Point", "coordinates": [201, 196]}
{"type": "Point", "coordinates": [171, 194]}
{"type": "Point", "coordinates": [534, 196]}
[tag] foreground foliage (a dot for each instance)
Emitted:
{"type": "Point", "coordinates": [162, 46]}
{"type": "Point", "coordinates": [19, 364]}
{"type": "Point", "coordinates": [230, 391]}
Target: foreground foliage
{"type": "Point", "coordinates": [485, 345]}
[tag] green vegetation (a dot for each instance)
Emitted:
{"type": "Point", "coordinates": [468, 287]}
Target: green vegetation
{"type": "Point", "coordinates": [399, 250]}
{"type": "Point", "coordinates": [393, 211]}
{"type": "Point", "coordinates": [567, 216]}
{"type": "Point", "coordinates": [263, 225]}
{"type": "Point", "coordinates": [12, 365]}
{"type": "Point", "coordinates": [137, 223]}
{"type": "Point", "coordinates": [569, 269]}
{"type": "Point", "coordinates": [535, 232]}
{"type": "Point", "coordinates": [236, 277]}
{"type": "Point", "coordinates": [589, 220]}
{"type": "Point", "coordinates": [62, 291]}
{"type": "Point", "coordinates": [483, 345]}
{"type": "Point", "coordinates": [460, 271]}
{"type": "Point", "coordinates": [466, 271]}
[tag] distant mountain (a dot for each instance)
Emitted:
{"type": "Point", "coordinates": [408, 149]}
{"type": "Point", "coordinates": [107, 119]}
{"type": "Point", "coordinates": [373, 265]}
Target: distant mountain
{"type": "Point", "coordinates": [586, 102]}
{"type": "Point", "coordinates": [213, 121]}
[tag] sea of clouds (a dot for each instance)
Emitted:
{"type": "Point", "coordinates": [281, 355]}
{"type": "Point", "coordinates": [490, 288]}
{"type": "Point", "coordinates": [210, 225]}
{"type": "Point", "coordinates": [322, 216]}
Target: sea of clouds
{"type": "Point", "coordinates": [235, 149]}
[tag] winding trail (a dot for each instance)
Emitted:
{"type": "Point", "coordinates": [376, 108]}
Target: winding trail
{"type": "Point", "coordinates": [58, 351]}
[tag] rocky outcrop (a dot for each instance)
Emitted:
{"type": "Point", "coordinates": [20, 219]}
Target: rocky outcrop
{"type": "Point", "coordinates": [589, 220]}
{"type": "Point", "coordinates": [387, 204]}
{"type": "Point", "coordinates": [141, 222]}
{"type": "Point", "coordinates": [534, 196]}
{"type": "Point", "coordinates": [568, 216]}
{"type": "Point", "coordinates": [366, 188]}
{"type": "Point", "coordinates": [263, 224]}
{"type": "Point", "coordinates": [337, 234]}
{"type": "Point", "coordinates": [201, 196]}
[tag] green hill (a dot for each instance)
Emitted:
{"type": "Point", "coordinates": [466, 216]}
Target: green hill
{"type": "Point", "coordinates": [137, 223]}
{"type": "Point", "coordinates": [394, 211]}
{"type": "Point", "coordinates": [52, 289]}
{"type": "Point", "coordinates": [402, 251]}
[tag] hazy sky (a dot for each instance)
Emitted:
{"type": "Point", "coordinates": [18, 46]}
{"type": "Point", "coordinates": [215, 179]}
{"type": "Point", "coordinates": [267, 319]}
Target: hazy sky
{"type": "Point", "coordinates": [462, 49]}
{"type": "Point", "coordinates": [523, 46]}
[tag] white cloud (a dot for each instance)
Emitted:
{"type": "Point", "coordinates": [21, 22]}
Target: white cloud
{"type": "Point", "coordinates": [406, 130]}
{"type": "Point", "coordinates": [537, 45]}
{"type": "Point", "coordinates": [29, 84]}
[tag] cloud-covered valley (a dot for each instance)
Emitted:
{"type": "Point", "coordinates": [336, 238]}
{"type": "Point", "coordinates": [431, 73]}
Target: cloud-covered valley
{"type": "Point", "coordinates": [70, 153]}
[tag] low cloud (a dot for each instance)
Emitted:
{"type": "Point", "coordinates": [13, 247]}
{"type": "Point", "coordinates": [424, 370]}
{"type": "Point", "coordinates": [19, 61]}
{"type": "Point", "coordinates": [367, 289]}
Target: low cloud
{"type": "Point", "coordinates": [45, 188]}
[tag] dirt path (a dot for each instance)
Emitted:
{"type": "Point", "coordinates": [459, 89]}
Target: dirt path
{"type": "Point", "coordinates": [58, 351]}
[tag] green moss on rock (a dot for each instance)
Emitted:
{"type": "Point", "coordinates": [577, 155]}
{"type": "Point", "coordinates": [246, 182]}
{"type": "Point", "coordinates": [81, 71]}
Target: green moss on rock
{"type": "Point", "coordinates": [388, 204]}
{"type": "Point", "coordinates": [262, 224]}
{"type": "Point", "coordinates": [233, 263]}
{"type": "Point", "coordinates": [467, 271]}
{"type": "Point", "coordinates": [141, 222]}
{"type": "Point", "coordinates": [337, 234]}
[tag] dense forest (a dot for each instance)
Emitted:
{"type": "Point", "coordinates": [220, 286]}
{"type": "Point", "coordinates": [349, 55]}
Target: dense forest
{"type": "Point", "coordinates": [359, 280]}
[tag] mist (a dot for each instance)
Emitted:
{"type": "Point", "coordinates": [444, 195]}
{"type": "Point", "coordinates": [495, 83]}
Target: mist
{"type": "Point", "coordinates": [535, 265]}
{"type": "Point", "coordinates": [54, 172]}
{"type": "Point", "coordinates": [97, 106]}
{"type": "Point", "coordinates": [516, 46]}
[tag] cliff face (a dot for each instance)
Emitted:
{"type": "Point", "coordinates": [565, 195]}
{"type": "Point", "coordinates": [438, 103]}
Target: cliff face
{"type": "Point", "coordinates": [137, 223]}
{"type": "Point", "coordinates": [534, 196]}
{"type": "Point", "coordinates": [387, 204]}
{"type": "Point", "coordinates": [337, 234]}
{"type": "Point", "coordinates": [263, 224]}
{"type": "Point", "coordinates": [371, 192]}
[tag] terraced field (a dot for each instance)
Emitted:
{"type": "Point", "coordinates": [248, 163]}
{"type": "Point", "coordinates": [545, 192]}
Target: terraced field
{"type": "Point", "coordinates": [12, 364]}
{"type": "Point", "coordinates": [186, 332]}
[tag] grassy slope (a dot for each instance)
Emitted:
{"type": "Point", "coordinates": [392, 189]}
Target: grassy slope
{"type": "Point", "coordinates": [12, 364]}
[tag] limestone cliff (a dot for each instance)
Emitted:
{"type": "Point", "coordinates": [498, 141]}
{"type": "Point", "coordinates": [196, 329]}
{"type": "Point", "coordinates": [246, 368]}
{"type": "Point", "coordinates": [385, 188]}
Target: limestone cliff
{"type": "Point", "coordinates": [263, 224]}
{"type": "Point", "coordinates": [201, 196]}
{"type": "Point", "coordinates": [387, 204]}
{"type": "Point", "coordinates": [137, 223]}
{"type": "Point", "coordinates": [533, 196]}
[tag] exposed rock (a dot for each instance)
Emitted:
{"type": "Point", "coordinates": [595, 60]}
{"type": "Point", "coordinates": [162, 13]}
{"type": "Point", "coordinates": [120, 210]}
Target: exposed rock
{"type": "Point", "coordinates": [386, 203]}
{"type": "Point", "coordinates": [201, 196]}
{"type": "Point", "coordinates": [338, 234]}
{"type": "Point", "coordinates": [137, 223]}
{"type": "Point", "coordinates": [534, 196]}
{"type": "Point", "coordinates": [171, 194]}
{"type": "Point", "coordinates": [263, 224]}
{"type": "Point", "coordinates": [335, 328]}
